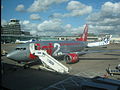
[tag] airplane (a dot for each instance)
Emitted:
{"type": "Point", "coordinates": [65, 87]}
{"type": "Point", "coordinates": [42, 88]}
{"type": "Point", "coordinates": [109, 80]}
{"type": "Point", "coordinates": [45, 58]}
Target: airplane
{"type": "Point", "coordinates": [33, 51]}
{"type": "Point", "coordinates": [102, 43]}
{"type": "Point", "coordinates": [25, 41]}
{"type": "Point", "coordinates": [68, 50]}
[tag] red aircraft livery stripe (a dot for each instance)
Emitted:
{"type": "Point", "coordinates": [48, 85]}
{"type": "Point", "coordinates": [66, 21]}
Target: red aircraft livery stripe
{"type": "Point", "coordinates": [62, 44]}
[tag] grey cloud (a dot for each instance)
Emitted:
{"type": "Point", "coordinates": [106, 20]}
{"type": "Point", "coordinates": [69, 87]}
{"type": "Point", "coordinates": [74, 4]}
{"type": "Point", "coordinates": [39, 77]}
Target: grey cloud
{"type": "Point", "coordinates": [107, 20]}
{"type": "Point", "coordinates": [75, 8]}
{"type": "Point", "coordinates": [20, 8]}
{"type": "Point", "coordinates": [42, 5]}
{"type": "Point", "coordinates": [3, 22]}
{"type": "Point", "coordinates": [35, 17]}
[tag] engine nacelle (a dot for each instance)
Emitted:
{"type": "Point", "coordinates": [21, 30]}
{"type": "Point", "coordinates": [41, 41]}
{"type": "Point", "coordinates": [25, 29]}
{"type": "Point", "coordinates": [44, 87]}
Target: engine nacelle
{"type": "Point", "coordinates": [71, 58]}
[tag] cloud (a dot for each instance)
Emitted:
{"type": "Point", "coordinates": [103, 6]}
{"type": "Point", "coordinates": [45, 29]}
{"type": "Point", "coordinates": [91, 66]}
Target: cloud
{"type": "Point", "coordinates": [110, 7]}
{"type": "Point", "coordinates": [35, 17]}
{"type": "Point", "coordinates": [69, 30]}
{"type": "Point", "coordinates": [1, 6]}
{"type": "Point", "coordinates": [46, 28]}
{"type": "Point", "coordinates": [75, 8]}
{"type": "Point", "coordinates": [56, 28]}
{"type": "Point", "coordinates": [26, 25]}
{"type": "Point", "coordinates": [3, 22]}
{"type": "Point", "coordinates": [51, 25]}
{"type": "Point", "coordinates": [42, 5]}
{"type": "Point", "coordinates": [78, 8]}
{"type": "Point", "coordinates": [107, 20]}
{"type": "Point", "coordinates": [25, 22]}
{"type": "Point", "coordinates": [20, 8]}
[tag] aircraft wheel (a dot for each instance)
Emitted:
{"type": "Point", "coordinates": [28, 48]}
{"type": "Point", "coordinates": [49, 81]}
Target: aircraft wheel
{"type": "Point", "coordinates": [26, 66]}
{"type": "Point", "coordinates": [67, 59]}
{"type": "Point", "coordinates": [39, 69]}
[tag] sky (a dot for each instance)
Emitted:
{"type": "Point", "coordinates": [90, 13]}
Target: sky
{"type": "Point", "coordinates": [63, 17]}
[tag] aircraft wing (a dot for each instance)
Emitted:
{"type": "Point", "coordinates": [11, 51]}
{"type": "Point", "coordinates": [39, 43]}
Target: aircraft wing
{"type": "Point", "coordinates": [99, 51]}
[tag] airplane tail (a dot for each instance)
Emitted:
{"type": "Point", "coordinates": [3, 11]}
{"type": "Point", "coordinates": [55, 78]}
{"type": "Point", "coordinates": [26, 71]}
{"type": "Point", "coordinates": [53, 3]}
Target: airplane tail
{"type": "Point", "coordinates": [84, 35]}
{"type": "Point", "coordinates": [107, 39]}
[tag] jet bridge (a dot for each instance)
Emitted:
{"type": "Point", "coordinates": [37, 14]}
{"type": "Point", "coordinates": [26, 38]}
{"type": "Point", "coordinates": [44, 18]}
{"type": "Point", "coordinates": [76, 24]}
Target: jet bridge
{"type": "Point", "coordinates": [48, 61]}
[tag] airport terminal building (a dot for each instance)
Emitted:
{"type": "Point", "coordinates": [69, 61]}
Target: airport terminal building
{"type": "Point", "coordinates": [12, 31]}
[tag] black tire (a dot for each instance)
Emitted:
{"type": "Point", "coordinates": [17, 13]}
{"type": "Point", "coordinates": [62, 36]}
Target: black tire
{"type": "Point", "coordinates": [26, 66]}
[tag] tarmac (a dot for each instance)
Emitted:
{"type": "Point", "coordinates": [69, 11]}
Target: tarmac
{"type": "Point", "coordinates": [15, 77]}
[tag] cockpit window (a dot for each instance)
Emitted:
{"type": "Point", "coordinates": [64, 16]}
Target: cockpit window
{"type": "Point", "coordinates": [17, 49]}
{"type": "Point", "coordinates": [24, 48]}
{"type": "Point", "coordinates": [20, 49]}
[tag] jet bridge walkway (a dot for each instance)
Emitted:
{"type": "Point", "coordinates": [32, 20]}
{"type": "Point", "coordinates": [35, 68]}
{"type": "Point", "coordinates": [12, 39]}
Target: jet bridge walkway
{"type": "Point", "coordinates": [48, 61]}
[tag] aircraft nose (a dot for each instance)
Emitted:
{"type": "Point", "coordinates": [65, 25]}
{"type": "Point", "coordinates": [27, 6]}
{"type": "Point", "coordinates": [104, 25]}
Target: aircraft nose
{"type": "Point", "coordinates": [11, 55]}
{"type": "Point", "coordinates": [8, 55]}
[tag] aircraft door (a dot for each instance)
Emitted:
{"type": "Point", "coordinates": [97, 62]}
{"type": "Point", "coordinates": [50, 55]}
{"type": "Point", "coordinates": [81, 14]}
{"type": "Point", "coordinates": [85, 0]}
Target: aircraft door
{"type": "Point", "coordinates": [48, 48]}
{"type": "Point", "coordinates": [33, 47]}
{"type": "Point", "coordinates": [37, 46]}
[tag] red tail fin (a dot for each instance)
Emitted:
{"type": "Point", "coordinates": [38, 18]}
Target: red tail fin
{"type": "Point", "coordinates": [84, 35]}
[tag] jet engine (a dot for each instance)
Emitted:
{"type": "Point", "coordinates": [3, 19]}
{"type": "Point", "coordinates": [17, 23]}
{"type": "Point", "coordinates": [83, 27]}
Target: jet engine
{"type": "Point", "coordinates": [71, 58]}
